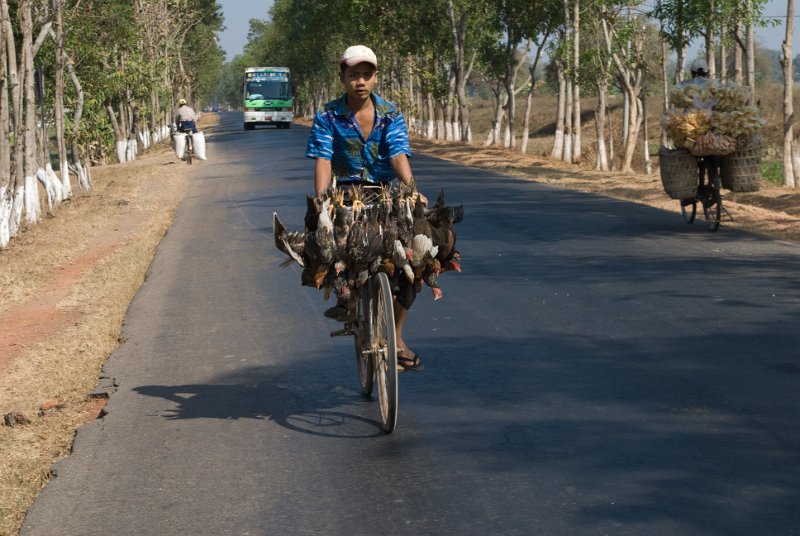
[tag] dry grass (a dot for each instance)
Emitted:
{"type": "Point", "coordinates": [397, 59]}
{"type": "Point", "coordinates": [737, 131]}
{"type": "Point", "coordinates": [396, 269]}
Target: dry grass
{"type": "Point", "coordinates": [102, 243]}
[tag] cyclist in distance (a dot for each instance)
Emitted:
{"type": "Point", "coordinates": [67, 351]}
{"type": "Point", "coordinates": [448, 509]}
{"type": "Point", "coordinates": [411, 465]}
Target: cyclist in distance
{"type": "Point", "coordinates": [360, 138]}
{"type": "Point", "coordinates": [185, 117]}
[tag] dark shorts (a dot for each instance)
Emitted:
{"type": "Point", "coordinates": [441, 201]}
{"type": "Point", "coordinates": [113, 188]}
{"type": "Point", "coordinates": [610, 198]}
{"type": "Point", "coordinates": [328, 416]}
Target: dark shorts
{"type": "Point", "coordinates": [187, 125]}
{"type": "Point", "coordinates": [406, 292]}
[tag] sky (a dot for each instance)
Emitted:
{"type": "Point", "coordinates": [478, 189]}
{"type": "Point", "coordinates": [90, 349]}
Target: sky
{"type": "Point", "coordinates": [237, 22]}
{"type": "Point", "coordinates": [239, 12]}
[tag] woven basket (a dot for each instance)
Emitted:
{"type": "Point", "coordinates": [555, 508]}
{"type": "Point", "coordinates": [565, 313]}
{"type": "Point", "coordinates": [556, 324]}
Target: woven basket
{"type": "Point", "coordinates": [678, 173]}
{"type": "Point", "coordinates": [741, 171]}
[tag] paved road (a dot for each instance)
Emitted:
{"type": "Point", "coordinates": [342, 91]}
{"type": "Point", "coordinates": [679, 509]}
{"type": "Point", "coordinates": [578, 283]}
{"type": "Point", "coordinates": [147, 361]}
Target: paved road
{"type": "Point", "coordinates": [599, 368]}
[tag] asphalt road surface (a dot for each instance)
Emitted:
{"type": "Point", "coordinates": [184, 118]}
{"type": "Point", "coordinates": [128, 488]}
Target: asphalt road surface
{"type": "Point", "coordinates": [599, 367]}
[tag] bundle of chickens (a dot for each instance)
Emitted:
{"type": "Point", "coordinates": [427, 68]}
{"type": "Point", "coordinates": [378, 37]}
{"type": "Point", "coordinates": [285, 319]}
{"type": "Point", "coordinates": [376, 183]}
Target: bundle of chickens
{"type": "Point", "coordinates": [351, 234]}
{"type": "Point", "coordinates": [712, 118]}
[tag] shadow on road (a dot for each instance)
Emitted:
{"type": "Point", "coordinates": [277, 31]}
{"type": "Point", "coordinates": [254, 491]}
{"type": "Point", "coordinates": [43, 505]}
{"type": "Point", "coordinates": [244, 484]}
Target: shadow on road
{"type": "Point", "coordinates": [259, 394]}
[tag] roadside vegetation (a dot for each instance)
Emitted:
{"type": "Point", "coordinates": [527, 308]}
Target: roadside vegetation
{"type": "Point", "coordinates": [103, 77]}
{"type": "Point", "coordinates": [571, 79]}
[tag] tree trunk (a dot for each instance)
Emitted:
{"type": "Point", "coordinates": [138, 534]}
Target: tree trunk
{"type": "Point", "coordinates": [458, 30]}
{"type": "Point", "coordinates": [751, 53]}
{"type": "Point", "coordinates": [633, 131]}
{"type": "Point", "coordinates": [431, 131]}
{"type": "Point", "coordinates": [16, 187]}
{"type": "Point", "coordinates": [738, 76]}
{"type": "Point", "coordinates": [576, 92]}
{"type": "Point", "coordinates": [711, 56]}
{"type": "Point", "coordinates": [601, 161]}
{"type": "Point", "coordinates": [33, 207]}
{"type": "Point", "coordinates": [493, 138]}
{"type": "Point", "coordinates": [84, 182]}
{"type": "Point", "coordinates": [6, 200]}
{"type": "Point", "coordinates": [648, 165]}
{"type": "Point", "coordinates": [568, 137]}
{"type": "Point", "coordinates": [561, 110]}
{"type": "Point", "coordinates": [63, 166]}
{"type": "Point", "coordinates": [120, 142]}
{"type": "Point", "coordinates": [664, 86]}
{"type": "Point", "coordinates": [723, 54]}
{"type": "Point", "coordinates": [788, 107]}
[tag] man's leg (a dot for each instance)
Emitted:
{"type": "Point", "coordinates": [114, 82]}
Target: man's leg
{"type": "Point", "coordinates": [406, 358]}
{"type": "Point", "coordinates": [400, 315]}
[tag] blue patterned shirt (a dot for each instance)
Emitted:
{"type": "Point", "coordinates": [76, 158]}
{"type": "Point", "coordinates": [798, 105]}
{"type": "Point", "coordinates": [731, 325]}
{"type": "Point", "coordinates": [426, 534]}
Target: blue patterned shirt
{"type": "Point", "coordinates": [336, 136]}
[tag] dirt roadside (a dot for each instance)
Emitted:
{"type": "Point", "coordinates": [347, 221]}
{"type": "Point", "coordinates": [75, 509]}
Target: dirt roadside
{"type": "Point", "coordinates": [65, 286]}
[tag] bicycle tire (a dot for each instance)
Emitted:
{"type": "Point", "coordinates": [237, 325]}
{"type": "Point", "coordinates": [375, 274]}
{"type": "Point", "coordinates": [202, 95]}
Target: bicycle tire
{"type": "Point", "coordinates": [189, 149]}
{"type": "Point", "coordinates": [365, 363]}
{"type": "Point", "coordinates": [385, 347]}
{"type": "Point", "coordinates": [712, 206]}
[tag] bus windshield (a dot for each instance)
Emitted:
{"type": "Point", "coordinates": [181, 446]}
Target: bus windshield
{"type": "Point", "coordinates": [267, 89]}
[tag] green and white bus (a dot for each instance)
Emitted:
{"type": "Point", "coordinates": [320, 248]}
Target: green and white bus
{"type": "Point", "coordinates": [267, 97]}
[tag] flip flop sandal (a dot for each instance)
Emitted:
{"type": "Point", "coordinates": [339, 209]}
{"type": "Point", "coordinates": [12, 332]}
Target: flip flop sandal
{"type": "Point", "coordinates": [412, 364]}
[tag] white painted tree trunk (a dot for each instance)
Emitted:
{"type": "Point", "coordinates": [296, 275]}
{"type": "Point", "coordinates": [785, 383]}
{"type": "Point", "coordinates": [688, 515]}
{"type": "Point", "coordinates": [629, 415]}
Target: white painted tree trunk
{"type": "Point", "coordinates": [576, 92]}
{"type": "Point", "coordinates": [558, 142]}
{"type": "Point", "coordinates": [83, 177]}
{"type": "Point", "coordinates": [66, 184]}
{"type": "Point", "coordinates": [52, 185]}
{"type": "Point", "coordinates": [121, 147]}
{"type": "Point", "coordinates": [568, 135]}
{"type": "Point", "coordinates": [601, 162]}
{"type": "Point", "coordinates": [15, 222]}
{"type": "Point", "coordinates": [131, 150]}
{"type": "Point", "coordinates": [33, 208]}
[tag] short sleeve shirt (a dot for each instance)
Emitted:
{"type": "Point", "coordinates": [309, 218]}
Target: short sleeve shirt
{"type": "Point", "coordinates": [336, 136]}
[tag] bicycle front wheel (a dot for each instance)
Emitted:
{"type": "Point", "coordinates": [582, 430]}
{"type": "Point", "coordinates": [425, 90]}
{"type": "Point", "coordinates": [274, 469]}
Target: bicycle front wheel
{"type": "Point", "coordinates": [385, 350]}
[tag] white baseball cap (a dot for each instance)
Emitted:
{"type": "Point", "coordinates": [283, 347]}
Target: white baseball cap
{"type": "Point", "coordinates": [357, 54]}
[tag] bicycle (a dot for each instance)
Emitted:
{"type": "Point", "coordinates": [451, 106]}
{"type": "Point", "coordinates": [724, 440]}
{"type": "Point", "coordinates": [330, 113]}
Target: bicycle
{"type": "Point", "coordinates": [189, 145]}
{"type": "Point", "coordinates": [708, 194]}
{"type": "Point", "coordinates": [372, 326]}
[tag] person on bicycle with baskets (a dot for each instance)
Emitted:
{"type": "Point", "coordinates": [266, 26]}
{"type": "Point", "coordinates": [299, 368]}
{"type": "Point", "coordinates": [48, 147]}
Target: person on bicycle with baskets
{"type": "Point", "coordinates": [700, 77]}
{"type": "Point", "coordinates": [360, 138]}
{"type": "Point", "coordinates": [185, 117]}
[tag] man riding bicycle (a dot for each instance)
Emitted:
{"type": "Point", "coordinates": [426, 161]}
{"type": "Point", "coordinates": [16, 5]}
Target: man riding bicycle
{"type": "Point", "coordinates": [185, 117]}
{"type": "Point", "coordinates": [361, 138]}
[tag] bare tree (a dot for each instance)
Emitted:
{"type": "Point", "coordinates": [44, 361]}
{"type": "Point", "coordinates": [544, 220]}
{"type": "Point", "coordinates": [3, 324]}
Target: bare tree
{"type": "Point", "coordinates": [6, 199]}
{"type": "Point", "coordinates": [561, 109]}
{"type": "Point", "coordinates": [58, 37]}
{"type": "Point", "coordinates": [790, 172]}
{"type": "Point", "coordinates": [27, 131]}
{"type": "Point", "coordinates": [630, 72]}
{"type": "Point", "coordinates": [576, 87]}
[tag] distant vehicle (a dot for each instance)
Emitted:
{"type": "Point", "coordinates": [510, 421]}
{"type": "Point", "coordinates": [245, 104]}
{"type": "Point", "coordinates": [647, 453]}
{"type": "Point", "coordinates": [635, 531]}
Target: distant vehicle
{"type": "Point", "coordinates": [267, 98]}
